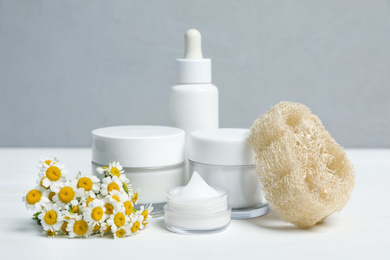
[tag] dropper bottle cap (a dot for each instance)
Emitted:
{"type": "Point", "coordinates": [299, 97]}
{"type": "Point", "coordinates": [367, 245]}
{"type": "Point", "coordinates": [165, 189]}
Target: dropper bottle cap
{"type": "Point", "coordinates": [193, 68]}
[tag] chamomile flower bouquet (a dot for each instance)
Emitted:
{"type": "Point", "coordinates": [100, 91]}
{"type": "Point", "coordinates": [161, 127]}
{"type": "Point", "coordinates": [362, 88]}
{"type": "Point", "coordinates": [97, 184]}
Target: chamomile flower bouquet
{"type": "Point", "coordinates": [85, 205]}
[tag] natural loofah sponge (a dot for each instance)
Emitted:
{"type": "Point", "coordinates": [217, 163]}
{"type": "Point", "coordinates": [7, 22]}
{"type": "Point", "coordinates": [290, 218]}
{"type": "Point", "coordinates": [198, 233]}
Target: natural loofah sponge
{"type": "Point", "coordinates": [306, 174]}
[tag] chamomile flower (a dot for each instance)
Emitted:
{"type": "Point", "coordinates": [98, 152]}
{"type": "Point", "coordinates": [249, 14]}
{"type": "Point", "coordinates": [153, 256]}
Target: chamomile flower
{"type": "Point", "coordinates": [119, 196]}
{"type": "Point", "coordinates": [124, 179]}
{"type": "Point", "coordinates": [72, 209]}
{"type": "Point", "coordinates": [123, 231]}
{"type": "Point", "coordinates": [85, 201]}
{"type": "Point", "coordinates": [110, 184]}
{"type": "Point", "coordinates": [129, 206]}
{"type": "Point", "coordinates": [36, 199]}
{"type": "Point", "coordinates": [104, 228]}
{"type": "Point", "coordinates": [136, 223]}
{"type": "Point", "coordinates": [96, 228]}
{"type": "Point", "coordinates": [78, 227]}
{"type": "Point", "coordinates": [64, 226]}
{"type": "Point", "coordinates": [50, 233]}
{"type": "Point", "coordinates": [127, 188]}
{"type": "Point", "coordinates": [145, 212]}
{"type": "Point", "coordinates": [68, 215]}
{"type": "Point", "coordinates": [95, 213]}
{"type": "Point", "coordinates": [51, 218]}
{"type": "Point", "coordinates": [116, 197]}
{"type": "Point", "coordinates": [125, 183]}
{"type": "Point", "coordinates": [89, 185]}
{"type": "Point", "coordinates": [67, 194]}
{"type": "Point", "coordinates": [115, 169]}
{"type": "Point", "coordinates": [111, 204]}
{"type": "Point", "coordinates": [103, 170]}
{"type": "Point", "coordinates": [118, 219]}
{"type": "Point", "coordinates": [51, 195]}
{"type": "Point", "coordinates": [47, 162]}
{"type": "Point", "coordinates": [134, 197]}
{"type": "Point", "coordinates": [52, 175]}
{"type": "Point", "coordinates": [40, 182]}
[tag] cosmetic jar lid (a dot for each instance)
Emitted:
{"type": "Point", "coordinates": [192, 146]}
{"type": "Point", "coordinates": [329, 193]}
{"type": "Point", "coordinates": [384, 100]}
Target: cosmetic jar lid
{"type": "Point", "coordinates": [224, 146]}
{"type": "Point", "coordinates": [138, 146]}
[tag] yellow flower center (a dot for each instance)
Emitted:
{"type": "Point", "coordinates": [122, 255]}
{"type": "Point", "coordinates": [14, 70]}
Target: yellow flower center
{"type": "Point", "coordinates": [33, 196]}
{"type": "Point", "coordinates": [114, 171]}
{"type": "Point", "coordinates": [75, 209]}
{"type": "Point", "coordinates": [134, 198]}
{"type": "Point", "coordinates": [89, 200]}
{"type": "Point", "coordinates": [128, 207]}
{"type": "Point", "coordinates": [50, 217]}
{"type": "Point", "coordinates": [119, 219]}
{"type": "Point", "coordinates": [63, 227]}
{"type": "Point", "coordinates": [135, 227]}
{"type": "Point", "coordinates": [115, 198]}
{"type": "Point", "coordinates": [109, 208]}
{"type": "Point", "coordinates": [42, 184]}
{"type": "Point", "coordinates": [96, 228]}
{"type": "Point", "coordinates": [104, 167]}
{"type": "Point", "coordinates": [85, 183]}
{"type": "Point", "coordinates": [120, 232]}
{"type": "Point", "coordinates": [145, 213]}
{"type": "Point", "coordinates": [108, 228]}
{"type": "Point", "coordinates": [112, 186]}
{"type": "Point", "coordinates": [51, 195]}
{"type": "Point", "coordinates": [47, 162]}
{"type": "Point", "coordinates": [66, 194]}
{"type": "Point", "coordinates": [53, 173]}
{"type": "Point", "coordinates": [80, 227]}
{"type": "Point", "coordinates": [50, 233]}
{"type": "Point", "coordinates": [97, 213]}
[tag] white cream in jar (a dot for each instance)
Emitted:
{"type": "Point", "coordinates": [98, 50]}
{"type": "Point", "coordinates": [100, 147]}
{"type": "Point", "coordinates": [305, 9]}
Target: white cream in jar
{"type": "Point", "coordinates": [196, 208]}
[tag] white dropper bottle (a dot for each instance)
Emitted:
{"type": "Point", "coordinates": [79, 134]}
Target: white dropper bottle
{"type": "Point", "coordinates": [194, 100]}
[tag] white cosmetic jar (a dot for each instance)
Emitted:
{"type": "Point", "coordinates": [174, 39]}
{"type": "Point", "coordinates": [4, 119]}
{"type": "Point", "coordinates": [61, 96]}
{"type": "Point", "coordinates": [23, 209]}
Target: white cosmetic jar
{"type": "Point", "coordinates": [224, 158]}
{"type": "Point", "coordinates": [196, 215]}
{"type": "Point", "coordinates": [152, 158]}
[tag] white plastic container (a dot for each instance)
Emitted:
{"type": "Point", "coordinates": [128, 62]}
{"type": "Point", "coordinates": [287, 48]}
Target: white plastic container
{"type": "Point", "coordinates": [196, 208]}
{"type": "Point", "coordinates": [194, 100]}
{"type": "Point", "coordinates": [152, 157]}
{"type": "Point", "coordinates": [224, 159]}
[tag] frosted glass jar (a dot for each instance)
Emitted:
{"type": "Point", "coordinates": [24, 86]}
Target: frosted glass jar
{"type": "Point", "coordinates": [196, 208]}
{"type": "Point", "coordinates": [224, 159]}
{"type": "Point", "coordinates": [152, 158]}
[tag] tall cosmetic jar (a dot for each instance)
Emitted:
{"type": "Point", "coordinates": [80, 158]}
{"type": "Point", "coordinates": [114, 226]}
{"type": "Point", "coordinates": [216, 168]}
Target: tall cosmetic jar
{"type": "Point", "coordinates": [152, 158]}
{"type": "Point", "coordinates": [224, 158]}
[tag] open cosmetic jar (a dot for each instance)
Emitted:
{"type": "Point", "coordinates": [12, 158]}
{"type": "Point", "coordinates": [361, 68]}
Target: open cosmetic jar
{"type": "Point", "coordinates": [196, 208]}
{"type": "Point", "coordinates": [224, 158]}
{"type": "Point", "coordinates": [152, 158]}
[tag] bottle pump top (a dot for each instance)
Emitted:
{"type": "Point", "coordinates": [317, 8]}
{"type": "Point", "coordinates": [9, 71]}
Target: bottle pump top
{"type": "Point", "coordinates": [193, 68]}
{"type": "Point", "coordinates": [193, 45]}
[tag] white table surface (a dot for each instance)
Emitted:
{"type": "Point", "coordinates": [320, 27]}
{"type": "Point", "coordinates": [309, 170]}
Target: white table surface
{"type": "Point", "coordinates": [360, 231]}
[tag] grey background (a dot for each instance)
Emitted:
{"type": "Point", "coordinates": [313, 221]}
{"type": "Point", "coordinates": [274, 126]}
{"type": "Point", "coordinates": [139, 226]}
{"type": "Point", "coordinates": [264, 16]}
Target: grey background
{"type": "Point", "coordinates": [68, 67]}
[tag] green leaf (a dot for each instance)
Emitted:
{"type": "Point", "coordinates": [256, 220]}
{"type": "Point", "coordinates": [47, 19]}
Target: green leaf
{"type": "Point", "coordinates": [35, 216]}
{"type": "Point", "coordinates": [125, 187]}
